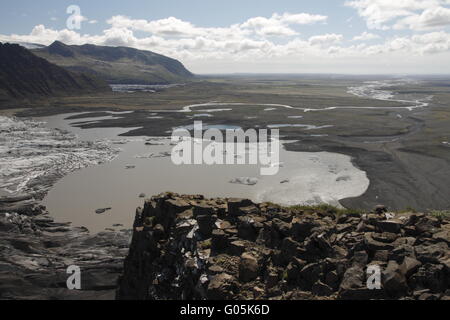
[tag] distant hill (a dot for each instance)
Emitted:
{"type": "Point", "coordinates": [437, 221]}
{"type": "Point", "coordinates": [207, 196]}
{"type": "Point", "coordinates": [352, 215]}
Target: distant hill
{"type": "Point", "coordinates": [22, 75]}
{"type": "Point", "coordinates": [27, 45]}
{"type": "Point", "coordinates": [117, 65]}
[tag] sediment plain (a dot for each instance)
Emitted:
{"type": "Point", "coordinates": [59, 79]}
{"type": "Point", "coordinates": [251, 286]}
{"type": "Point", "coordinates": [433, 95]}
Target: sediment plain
{"type": "Point", "coordinates": [400, 141]}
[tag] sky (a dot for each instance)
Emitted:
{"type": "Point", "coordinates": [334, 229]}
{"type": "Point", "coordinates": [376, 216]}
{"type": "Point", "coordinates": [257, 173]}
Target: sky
{"type": "Point", "coordinates": [250, 36]}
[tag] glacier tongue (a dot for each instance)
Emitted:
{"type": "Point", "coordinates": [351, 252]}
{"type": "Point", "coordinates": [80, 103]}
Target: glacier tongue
{"type": "Point", "coordinates": [33, 157]}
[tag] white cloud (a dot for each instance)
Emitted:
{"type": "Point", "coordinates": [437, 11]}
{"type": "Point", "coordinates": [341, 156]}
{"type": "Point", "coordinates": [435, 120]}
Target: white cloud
{"type": "Point", "coordinates": [165, 27]}
{"type": "Point", "coordinates": [276, 25]}
{"type": "Point", "coordinates": [279, 25]}
{"type": "Point", "coordinates": [267, 27]}
{"type": "Point", "coordinates": [431, 18]}
{"type": "Point", "coordinates": [366, 36]}
{"type": "Point", "coordinates": [403, 14]}
{"type": "Point", "coordinates": [243, 46]}
{"type": "Point", "coordinates": [300, 18]}
{"type": "Point", "coordinates": [326, 39]}
{"type": "Point", "coordinates": [79, 18]}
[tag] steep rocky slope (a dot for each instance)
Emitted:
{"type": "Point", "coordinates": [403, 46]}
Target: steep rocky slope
{"type": "Point", "coordinates": [120, 65]}
{"type": "Point", "coordinates": [188, 247]}
{"type": "Point", "coordinates": [35, 252]}
{"type": "Point", "coordinates": [22, 74]}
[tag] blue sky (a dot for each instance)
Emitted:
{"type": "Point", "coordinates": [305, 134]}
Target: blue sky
{"type": "Point", "coordinates": [21, 16]}
{"type": "Point", "coordinates": [355, 36]}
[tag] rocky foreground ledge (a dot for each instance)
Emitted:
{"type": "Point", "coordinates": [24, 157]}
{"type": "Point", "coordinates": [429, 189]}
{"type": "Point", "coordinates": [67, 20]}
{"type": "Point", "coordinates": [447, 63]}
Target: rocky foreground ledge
{"type": "Point", "coordinates": [35, 252]}
{"type": "Point", "coordinates": [189, 247]}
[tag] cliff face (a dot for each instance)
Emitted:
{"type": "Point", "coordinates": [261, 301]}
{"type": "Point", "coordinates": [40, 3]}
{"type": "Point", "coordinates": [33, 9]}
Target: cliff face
{"type": "Point", "coordinates": [36, 252]}
{"type": "Point", "coordinates": [120, 65]}
{"type": "Point", "coordinates": [188, 247]}
{"type": "Point", "coordinates": [22, 74]}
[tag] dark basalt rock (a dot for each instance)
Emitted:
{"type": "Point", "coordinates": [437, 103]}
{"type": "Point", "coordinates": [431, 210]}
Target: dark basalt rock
{"type": "Point", "coordinates": [235, 249]}
{"type": "Point", "coordinates": [36, 252]}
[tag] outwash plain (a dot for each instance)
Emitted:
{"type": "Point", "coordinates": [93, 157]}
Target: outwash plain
{"type": "Point", "coordinates": [398, 134]}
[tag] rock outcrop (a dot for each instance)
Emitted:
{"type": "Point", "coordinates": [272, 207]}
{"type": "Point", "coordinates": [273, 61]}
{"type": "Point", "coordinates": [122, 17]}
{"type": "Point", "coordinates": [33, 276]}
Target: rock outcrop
{"type": "Point", "coordinates": [35, 252]}
{"type": "Point", "coordinates": [189, 247]}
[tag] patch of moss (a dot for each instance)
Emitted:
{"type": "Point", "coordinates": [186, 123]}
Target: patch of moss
{"type": "Point", "coordinates": [324, 209]}
{"type": "Point", "coordinates": [409, 210]}
{"type": "Point", "coordinates": [204, 244]}
{"type": "Point", "coordinates": [149, 222]}
{"type": "Point", "coordinates": [441, 214]}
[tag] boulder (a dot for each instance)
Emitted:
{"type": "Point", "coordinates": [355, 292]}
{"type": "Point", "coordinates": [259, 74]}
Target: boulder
{"type": "Point", "coordinates": [409, 266]}
{"type": "Point", "coordinates": [310, 274]}
{"type": "Point", "coordinates": [385, 237]}
{"type": "Point", "coordinates": [442, 236]}
{"type": "Point", "coordinates": [219, 240]}
{"type": "Point", "coordinates": [283, 228]}
{"type": "Point", "coordinates": [394, 281]}
{"type": "Point", "coordinates": [391, 226]}
{"type": "Point", "coordinates": [246, 229]}
{"type": "Point", "coordinates": [293, 270]}
{"type": "Point", "coordinates": [353, 287]}
{"type": "Point", "coordinates": [321, 289]}
{"type": "Point", "coordinates": [332, 279]}
{"type": "Point", "coordinates": [248, 268]}
{"type": "Point", "coordinates": [221, 287]}
{"type": "Point", "coordinates": [360, 258]}
{"type": "Point", "coordinates": [177, 205]}
{"type": "Point", "coordinates": [427, 225]}
{"type": "Point", "coordinates": [272, 279]}
{"type": "Point", "coordinates": [373, 245]}
{"type": "Point", "coordinates": [302, 227]}
{"type": "Point", "coordinates": [235, 204]}
{"type": "Point", "coordinates": [431, 253]}
{"type": "Point", "coordinates": [236, 248]}
{"type": "Point", "coordinates": [429, 276]}
{"type": "Point", "coordinates": [381, 256]}
{"type": "Point", "coordinates": [205, 225]}
{"type": "Point", "coordinates": [400, 252]}
{"type": "Point", "coordinates": [317, 246]}
{"type": "Point", "coordinates": [203, 209]}
{"type": "Point", "coordinates": [290, 249]}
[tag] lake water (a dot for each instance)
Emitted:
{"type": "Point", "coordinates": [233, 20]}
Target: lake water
{"type": "Point", "coordinates": [304, 178]}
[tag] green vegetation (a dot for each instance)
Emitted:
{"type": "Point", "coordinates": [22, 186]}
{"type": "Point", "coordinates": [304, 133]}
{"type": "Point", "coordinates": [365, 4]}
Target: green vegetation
{"type": "Point", "coordinates": [321, 208]}
{"type": "Point", "coordinates": [149, 222]}
{"type": "Point", "coordinates": [324, 209]}
{"type": "Point", "coordinates": [119, 65]}
{"type": "Point", "coordinates": [205, 244]}
{"type": "Point", "coordinates": [22, 74]}
{"type": "Point", "coordinates": [409, 210]}
{"type": "Point", "coordinates": [441, 214]}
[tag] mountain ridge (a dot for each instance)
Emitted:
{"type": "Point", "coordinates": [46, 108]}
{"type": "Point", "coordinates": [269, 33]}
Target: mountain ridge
{"type": "Point", "coordinates": [116, 65]}
{"type": "Point", "coordinates": [23, 74]}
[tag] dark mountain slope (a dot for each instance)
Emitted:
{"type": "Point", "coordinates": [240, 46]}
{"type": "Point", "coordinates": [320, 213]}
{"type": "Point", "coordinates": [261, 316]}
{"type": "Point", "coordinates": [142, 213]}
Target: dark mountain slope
{"type": "Point", "coordinates": [116, 64]}
{"type": "Point", "coordinates": [22, 74]}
